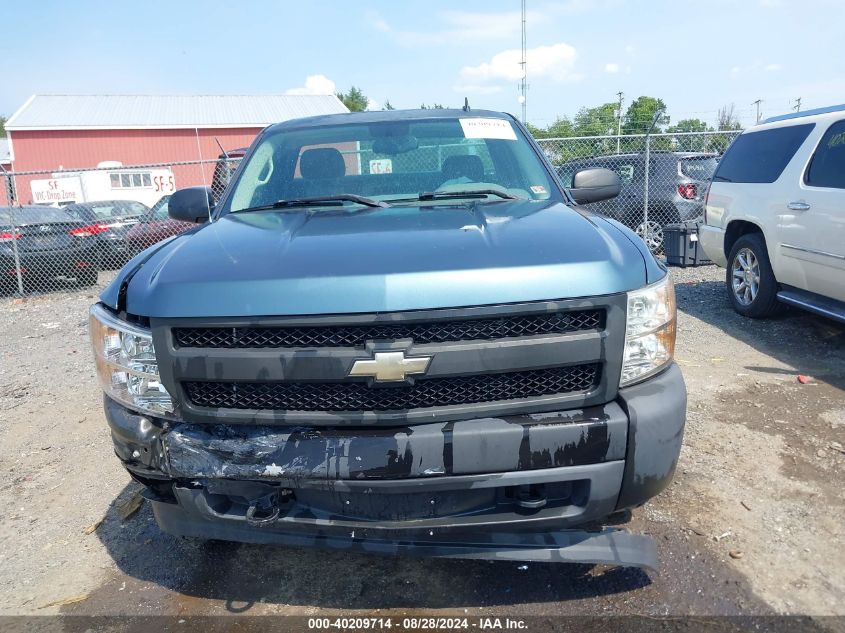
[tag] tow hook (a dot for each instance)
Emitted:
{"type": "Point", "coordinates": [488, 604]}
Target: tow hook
{"type": "Point", "coordinates": [264, 510]}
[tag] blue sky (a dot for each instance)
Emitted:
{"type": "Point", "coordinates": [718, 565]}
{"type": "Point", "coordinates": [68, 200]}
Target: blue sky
{"type": "Point", "coordinates": [696, 55]}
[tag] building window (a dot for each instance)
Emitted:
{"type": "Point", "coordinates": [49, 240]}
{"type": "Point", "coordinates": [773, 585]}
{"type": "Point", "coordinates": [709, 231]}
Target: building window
{"type": "Point", "coordinates": [131, 180]}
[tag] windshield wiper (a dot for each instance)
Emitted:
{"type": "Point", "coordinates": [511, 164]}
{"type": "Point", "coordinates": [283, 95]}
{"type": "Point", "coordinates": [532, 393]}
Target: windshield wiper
{"type": "Point", "coordinates": [456, 195]}
{"type": "Point", "coordinates": [469, 193]}
{"type": "Point", "coordinates": [325, 201]}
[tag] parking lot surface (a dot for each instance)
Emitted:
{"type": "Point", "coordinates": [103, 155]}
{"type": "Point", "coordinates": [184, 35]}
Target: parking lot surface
{"type": "Point", "coordinates": [753, 523]}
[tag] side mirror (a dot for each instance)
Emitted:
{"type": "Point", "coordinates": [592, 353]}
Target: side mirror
{"type": "Point", "coordinates": [595, 184]}
{"type": "Point", "coordinates": [193, 204]}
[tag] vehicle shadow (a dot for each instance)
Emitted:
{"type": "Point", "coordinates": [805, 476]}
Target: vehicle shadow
{"type": "Point", "coordinates": [811, 344]}
{"type": "Point", "coordinates": [199, 574]}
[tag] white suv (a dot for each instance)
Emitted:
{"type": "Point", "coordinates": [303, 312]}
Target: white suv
{"type": "Point", "coordinates": [775, 215]}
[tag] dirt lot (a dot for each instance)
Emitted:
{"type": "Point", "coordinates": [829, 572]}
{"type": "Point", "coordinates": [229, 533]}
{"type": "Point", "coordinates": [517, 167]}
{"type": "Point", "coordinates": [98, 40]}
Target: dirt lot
{"type": "Point", "coordinates": [753, 524]}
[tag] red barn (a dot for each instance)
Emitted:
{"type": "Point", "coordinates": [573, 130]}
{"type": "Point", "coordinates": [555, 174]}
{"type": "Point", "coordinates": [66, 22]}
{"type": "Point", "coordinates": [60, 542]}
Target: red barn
{"type": "Point", "coordinates": [54, 132]}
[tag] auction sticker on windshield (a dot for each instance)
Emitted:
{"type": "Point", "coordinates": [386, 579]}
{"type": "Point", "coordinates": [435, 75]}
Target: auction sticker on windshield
{"type": "Point", "coordinates": [488, 128]}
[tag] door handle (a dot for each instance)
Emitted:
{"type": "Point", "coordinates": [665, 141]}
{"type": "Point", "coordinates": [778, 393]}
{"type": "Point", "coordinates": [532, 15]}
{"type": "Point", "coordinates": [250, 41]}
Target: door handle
{"type": "Point", "coordinates": [798, 206]}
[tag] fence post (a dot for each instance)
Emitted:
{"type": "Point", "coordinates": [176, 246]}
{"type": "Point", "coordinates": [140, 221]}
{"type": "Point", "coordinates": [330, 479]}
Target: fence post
{"type": "Point", "coordinates": [645, 195]}
{"type": "Point", "coordinates": [646, 232]}
{"type": "Point", "coordinates": [15, 249]}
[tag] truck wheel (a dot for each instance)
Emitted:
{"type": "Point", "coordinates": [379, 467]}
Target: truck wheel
{"type": "Point", "coordinates": [751, 283]}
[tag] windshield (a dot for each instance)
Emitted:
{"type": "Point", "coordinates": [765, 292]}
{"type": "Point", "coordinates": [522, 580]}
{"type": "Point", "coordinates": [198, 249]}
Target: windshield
{"type": "Point", "coordinates": [394, 162]}
{"type": "Point", "coordinates": [160, 209]}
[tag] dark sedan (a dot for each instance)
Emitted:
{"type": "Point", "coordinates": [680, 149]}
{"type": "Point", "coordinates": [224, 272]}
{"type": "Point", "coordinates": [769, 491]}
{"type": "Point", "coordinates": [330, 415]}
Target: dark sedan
{"type": "Point", "coordinates": [111, 220]}
{"type": "Point", "coordinates": [39, 245]}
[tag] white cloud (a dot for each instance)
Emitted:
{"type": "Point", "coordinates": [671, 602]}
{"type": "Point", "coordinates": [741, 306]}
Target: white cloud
{"type": "Point", "coordinates": [611, 68]}
{"type": "Point", "coordinates": [630, 50]}
{"type": "Point", "coordinates": [555, 62]}
{"type": "Point", "coordinates": [314, 85]}
{"type": "Point", "coordinates": [771, 68]}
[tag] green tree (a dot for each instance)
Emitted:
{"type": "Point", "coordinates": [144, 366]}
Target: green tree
{"type": "Point", "coordinates": [640, 114]}
{"type": "Point", "coordinates": [3, 126]}
{"type": "Point", "coordinates": [697, 143]}
{"type": "Point", "coordinates": [435, 106]}
{"type": "Point", "coordinates": [560, 128]}
{"type": "Point", "coordinates": [728, 119]}
{"type": "Point", "coordinates": [689, 125]}
{"type": "Point", "coordinates": [354, 99]}
{"type": "Point", "coordinates": [598, 121]}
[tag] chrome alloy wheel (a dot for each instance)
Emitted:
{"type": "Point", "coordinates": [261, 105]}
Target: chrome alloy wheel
{"type": "Point", "coordinates": [745, 275]}
{"type": "Point", "coordinates": [652, 234]}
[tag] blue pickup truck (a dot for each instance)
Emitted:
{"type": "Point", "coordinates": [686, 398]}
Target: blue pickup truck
{"type": "Point", "coordinates": [397, 332]}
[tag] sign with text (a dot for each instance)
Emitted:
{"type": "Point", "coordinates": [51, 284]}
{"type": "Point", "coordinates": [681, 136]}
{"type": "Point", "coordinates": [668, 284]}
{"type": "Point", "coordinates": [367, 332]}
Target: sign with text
{"type": "Point", "coordinates": [52, 190]}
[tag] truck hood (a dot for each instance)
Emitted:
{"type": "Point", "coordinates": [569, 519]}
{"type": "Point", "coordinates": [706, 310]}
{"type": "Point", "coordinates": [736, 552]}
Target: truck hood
{"type": "Point", "coordinates": [377, 260]}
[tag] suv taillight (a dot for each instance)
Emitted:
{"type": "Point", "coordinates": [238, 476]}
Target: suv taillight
{"type": "Point", "coordinates": [8, 236]}
{"type": "Point", "coordinates": [687, 190]}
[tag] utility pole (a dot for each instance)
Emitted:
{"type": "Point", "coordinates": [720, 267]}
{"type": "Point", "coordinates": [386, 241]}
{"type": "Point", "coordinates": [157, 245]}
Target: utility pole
{"type": "Point", "coordinates": [757, 103]}
{"type": "Point", "coordinates": [619, 94]}
{"type": "Point", "coordinates": [797, 107]}
{"type": "Point", "coordinates": [523, 85]}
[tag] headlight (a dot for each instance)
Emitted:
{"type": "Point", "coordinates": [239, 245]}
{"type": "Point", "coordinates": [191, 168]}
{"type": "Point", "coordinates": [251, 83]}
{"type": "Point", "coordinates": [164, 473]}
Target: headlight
{"type": "Point", "coordinates": [650, 331]}
{"type": "Point", "coordinates": [126, 363]}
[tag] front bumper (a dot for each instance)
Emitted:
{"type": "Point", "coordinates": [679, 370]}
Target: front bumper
{"type": "Point", "coordinates": [522, 487]}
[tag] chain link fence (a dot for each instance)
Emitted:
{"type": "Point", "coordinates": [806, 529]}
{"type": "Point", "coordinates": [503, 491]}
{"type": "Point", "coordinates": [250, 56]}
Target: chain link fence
{"type": "Point", "coordinates": [664, 176]}
{"type": "Point", "coordinates": [63, 229]}
{"type": "Point", "coordinates": [74, 228]}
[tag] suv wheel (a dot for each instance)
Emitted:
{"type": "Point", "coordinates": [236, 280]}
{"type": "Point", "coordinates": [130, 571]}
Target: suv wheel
{"type": "Point", "coordinates": [752, 286]}
{"type": "Point", "coordinates": [651, 233]}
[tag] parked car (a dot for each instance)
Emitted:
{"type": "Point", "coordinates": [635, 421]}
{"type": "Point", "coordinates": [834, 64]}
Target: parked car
{"type": "Point", "coordinates": [389, 353]}
{"type": "Point", "coordinates": [40, 244]}
{"type": "Point", "coordinates": [111, 220]}
{"type": "Point", "coordinates": [677, 183]}
{"type": "Point", "coordinates": [157, 225]}
{"type": "Point", "coordinates": [776, 215]}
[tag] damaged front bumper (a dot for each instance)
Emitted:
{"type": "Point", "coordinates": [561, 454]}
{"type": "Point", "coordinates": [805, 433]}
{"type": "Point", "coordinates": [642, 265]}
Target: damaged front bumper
{"type": "Point", "coordinates": [526, 487]}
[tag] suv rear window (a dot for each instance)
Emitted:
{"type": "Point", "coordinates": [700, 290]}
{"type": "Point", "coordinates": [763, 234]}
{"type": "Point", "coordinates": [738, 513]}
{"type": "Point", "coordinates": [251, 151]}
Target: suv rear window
{"type": "Point", "coordinates": [701, 168]}
{"type": "Point", "coordinates": [761, 156]}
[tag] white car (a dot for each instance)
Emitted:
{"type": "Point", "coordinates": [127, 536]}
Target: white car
{"type": "Point", "coordinates": [775, 215]}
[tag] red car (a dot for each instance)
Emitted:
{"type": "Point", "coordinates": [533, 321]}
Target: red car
{"type": "Point", "coordinates": [154, 227]}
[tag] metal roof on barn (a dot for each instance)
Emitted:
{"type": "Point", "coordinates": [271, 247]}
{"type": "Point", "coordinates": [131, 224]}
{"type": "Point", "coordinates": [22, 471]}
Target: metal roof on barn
{"type": "Point", "coordinates": [109, 112]}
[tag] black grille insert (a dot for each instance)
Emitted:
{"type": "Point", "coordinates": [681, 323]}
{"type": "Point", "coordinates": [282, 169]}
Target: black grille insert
{"type": "Point", "coordinates": [356, 335]}
{"type": "Point", "coordinates": [358, 396]}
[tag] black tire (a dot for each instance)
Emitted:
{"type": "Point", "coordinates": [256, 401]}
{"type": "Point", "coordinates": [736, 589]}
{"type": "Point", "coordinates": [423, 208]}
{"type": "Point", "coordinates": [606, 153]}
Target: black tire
{"type": "Point", "coordinates": [757, 304]}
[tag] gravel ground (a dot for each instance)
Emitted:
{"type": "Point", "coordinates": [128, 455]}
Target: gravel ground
{"type": "Point", "coordinates": [753, 523]}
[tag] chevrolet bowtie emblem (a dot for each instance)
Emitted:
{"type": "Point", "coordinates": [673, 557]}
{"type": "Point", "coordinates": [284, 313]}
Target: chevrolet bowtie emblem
{"type": "Point", "coordinates": [390, 366]}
